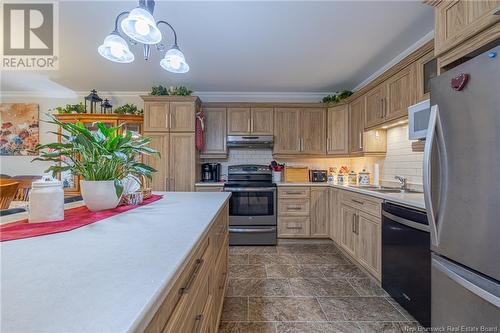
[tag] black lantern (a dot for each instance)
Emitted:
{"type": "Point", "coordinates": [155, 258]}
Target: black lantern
{"type": "Point", "coordinates": [93, 99]}
{"type": "Point", "coordinates": [106, 106]}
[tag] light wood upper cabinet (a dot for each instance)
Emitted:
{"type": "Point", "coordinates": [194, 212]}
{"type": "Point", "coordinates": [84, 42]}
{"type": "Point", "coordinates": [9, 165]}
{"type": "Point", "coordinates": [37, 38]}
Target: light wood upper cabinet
{"type": "Point", "coordinates": [348, 236]}
{"type": "Point", "coordinates": [262, 120]}
{"type": "Point", "coordinates": [156, 116]}
{"type": "Point", "coordinates": [400, 93]}
{"type": "Point", "coordinates": [313, 130]}
{"type": "Point", "coordinates": [375, 106]}
{"type": "Point", "coordinates": [182, 116]}
{"type": "Point", "coordinates": [182, 162]}
{"type": "Point", "coordinates": [425, 70]}
{"type": "Point", "coordinates": [238, 121]}
{"type": "Point", "coordinates": [159, 142]}
{"type": "Point", "coordinates": [287, 131]}
{"type": "Point", "coordinates": [368, 245]}
{"type": "Point", "coordinates": [356, 125]}
{"type": "Point", "coordinates": [215, 131]}
{"type": "Point", "coordinates": [337, 141]}
{"type": "Point", "coordinates": [320, 212]}
{"type": "Point", "coordinates": [459, 20]}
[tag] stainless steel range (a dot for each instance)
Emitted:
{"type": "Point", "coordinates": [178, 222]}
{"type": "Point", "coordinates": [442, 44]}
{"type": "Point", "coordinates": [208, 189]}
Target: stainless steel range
{"type": "Point", "coordinates": [252, 207]}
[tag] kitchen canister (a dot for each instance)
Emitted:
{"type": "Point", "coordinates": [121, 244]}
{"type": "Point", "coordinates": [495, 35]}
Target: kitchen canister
{"type": "Point", "coordinates": [364, 178]}
{"type": "Point", "coordinates": [276, 176]}
{"type": "Point", "coordinates": [353, 178]}
{"type": "Point", "coordinates": [46, 202]}
{"type": "Point", "coordinates": [341, 179]}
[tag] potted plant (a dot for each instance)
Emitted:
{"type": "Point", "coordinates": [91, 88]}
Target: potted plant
{"type": "Point", "coordinates": [102, 158]}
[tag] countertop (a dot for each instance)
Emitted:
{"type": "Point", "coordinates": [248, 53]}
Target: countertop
{"type": "Point", "coordinates": [109, 276]}
{"type": "Point", "coordinates": [415, 200]}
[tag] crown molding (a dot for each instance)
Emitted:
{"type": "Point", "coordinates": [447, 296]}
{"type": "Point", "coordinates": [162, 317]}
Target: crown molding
{"type": "Point", "coordinates": [415, 46]}
{"type": "Point", "coordinates": [205, 96]}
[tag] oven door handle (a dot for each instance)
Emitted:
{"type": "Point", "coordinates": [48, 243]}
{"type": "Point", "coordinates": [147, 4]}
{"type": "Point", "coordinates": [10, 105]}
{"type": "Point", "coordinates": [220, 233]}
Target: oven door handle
{"type": "Point", "coordinates": [252, 230]}
{"type": "Point", "coordinates": [249, 189]}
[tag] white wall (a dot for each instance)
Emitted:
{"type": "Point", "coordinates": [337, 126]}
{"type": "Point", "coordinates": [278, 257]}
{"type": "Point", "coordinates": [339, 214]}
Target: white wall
{"type": "Point", "coordinates": [400, 159]}
{"type": "Point", "coordinates": [22, 165]}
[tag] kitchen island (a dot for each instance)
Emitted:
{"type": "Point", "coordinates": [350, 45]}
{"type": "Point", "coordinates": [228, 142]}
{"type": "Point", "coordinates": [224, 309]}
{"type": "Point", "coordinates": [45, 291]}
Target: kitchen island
{"type": "Point", "coordinates": [148, 269]}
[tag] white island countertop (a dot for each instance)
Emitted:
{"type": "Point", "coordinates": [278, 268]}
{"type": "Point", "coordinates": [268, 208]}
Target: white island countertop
{"type": "Point", "coordinates": [109, 276]}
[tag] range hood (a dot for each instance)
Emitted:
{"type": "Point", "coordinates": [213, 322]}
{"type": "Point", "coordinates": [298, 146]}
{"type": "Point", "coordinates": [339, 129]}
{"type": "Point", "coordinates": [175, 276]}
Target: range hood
{"type": "Point", "coordinates": [250, 141]}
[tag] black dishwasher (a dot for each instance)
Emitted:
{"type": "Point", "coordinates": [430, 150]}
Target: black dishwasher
{"type": "Point", "coordinates": [406, 259]}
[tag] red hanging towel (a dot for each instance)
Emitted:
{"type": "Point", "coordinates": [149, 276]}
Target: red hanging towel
{"type": "Point", "coordinates": [200, 127]}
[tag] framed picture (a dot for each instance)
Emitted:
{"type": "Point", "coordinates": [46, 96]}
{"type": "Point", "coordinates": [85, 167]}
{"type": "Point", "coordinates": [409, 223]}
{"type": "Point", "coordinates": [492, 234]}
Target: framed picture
{"type": "Point", "coordinates": [19, 132]}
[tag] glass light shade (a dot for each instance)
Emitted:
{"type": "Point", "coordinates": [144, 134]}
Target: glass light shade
{"type": "Point", "coordinates": [115, 48]}
{"type": "Point", "coordinates": [175, 61]}
{"type": "Point", "coordinates": [140, 26]}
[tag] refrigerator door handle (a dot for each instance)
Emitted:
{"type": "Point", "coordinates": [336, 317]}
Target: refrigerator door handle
{"type": "Point", "coordinates": [434, 131]}
{"type": "Point", "coordinates": [479, 286]}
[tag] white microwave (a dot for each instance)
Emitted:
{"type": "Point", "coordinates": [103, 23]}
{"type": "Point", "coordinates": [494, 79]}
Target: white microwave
{"type": "Point", "coordinates": [418, 120]}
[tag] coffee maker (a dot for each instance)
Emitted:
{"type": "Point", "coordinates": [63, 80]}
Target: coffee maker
{"type": "Point", "coordinates": [210, 172]}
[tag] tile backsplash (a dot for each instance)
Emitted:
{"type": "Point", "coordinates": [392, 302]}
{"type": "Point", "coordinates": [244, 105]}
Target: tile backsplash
{"type": "Point", "coordinates": [400, 160]}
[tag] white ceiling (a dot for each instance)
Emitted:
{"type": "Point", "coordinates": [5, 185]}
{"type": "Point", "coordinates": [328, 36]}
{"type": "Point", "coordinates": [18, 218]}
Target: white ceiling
{"type": "Point", "coordinates": [238, 46]}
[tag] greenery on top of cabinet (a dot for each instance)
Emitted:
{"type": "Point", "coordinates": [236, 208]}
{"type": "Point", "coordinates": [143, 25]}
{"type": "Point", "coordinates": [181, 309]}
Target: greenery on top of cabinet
{"type": "Point", "coordinates": [337, 97]}
{"type": "Point", "coordinates": [171, 91]}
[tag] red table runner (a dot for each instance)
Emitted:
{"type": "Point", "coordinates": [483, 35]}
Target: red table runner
{"type": "Point", "coordinates": [73, 218]}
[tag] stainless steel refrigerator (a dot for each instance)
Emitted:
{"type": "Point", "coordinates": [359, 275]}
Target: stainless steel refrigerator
{"type": "Point", "coordinates": [462, 193]}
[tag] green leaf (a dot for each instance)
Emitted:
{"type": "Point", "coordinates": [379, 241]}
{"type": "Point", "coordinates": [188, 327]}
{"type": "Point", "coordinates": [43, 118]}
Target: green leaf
{"type": "Point", "coordinates": [118, 187]}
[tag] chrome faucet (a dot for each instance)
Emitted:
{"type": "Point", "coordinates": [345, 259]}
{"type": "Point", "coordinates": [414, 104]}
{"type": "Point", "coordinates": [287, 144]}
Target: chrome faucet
{"type": "Point", "coordinates": [402, 180]}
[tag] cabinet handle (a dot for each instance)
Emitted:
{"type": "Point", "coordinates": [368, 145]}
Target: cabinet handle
{"type": "Point", "coordinates": [357, 201]}
{"type": "Point", "coordinates": [249, 125]}
{"type": "Point", "coordinates": [294, 228]}
{"type": "Point", "coordinates": [172, 184]}
{"type": "Point", "coordinates": [383, 108]}
{"type": "Point", "coordinates": [294, 207]}
{"type": "Point", "coordinates": [199, 319]}
{"type": "Point", "coordinates": [357, 224]}
{"type": "Point", "coordinates": [298, 193]}
{"type": "Point", "coordinates": [360, 140]}
{"type": "Point", "coordinates": [353, 228]}
{"type": "Point", "coordinates": [196, 270]}
{"type": "Point", "coordinates": [170, 120]}
{"type": "Point", "coordinates": [496, 11]}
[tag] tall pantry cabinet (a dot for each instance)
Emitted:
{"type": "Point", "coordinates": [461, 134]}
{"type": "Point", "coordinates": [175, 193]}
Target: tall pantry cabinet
{"type": "Point", "coordinates": [170, 123]}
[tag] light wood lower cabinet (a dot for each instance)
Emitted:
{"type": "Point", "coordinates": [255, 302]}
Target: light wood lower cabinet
{"type": "Point", "coordinates": [303, 212]}
{"type": "Point", "coordinates": [360, 234]}
{"type": "Point", "coordinates": [194, 302]}
{"type": "Point", "coordinates": [319, 212]}
{"type": "Point", "coordinates": [334, 218]}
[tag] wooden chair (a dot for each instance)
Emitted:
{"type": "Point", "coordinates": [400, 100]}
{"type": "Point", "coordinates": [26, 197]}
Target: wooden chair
{"type": "Point", "coordinates": [8, 189]}
{"type": "Point", "coordinates": [24, 188]}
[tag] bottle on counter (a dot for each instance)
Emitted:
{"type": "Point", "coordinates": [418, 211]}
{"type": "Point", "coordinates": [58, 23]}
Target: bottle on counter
{"type": "Point", "coordinates": [46, 201]}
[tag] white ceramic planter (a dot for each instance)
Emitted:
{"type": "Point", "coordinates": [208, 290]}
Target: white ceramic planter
{"type": "Point", "coordinates": [99, 195]}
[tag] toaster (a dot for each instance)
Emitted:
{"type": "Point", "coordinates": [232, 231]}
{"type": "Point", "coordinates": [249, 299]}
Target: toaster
{"type": "Point", "coordinates": [318, 176]}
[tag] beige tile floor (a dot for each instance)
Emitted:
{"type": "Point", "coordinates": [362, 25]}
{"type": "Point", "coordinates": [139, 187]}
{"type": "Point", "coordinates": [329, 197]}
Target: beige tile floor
{"type": "Point", "coordinates": [305, 287]}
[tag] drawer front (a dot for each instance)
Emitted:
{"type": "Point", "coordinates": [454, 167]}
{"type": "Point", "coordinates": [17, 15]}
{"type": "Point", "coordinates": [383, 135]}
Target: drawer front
{"type": "Point", "coordinates": [193, 294]}
{"type": "Point", "coordinates": [219, 231]}
{"type": "Point", "coordinates": [176, 301]}
{"type": "Point", "coordinates": [208, 188]}
{"type": "Point", "coordinates": [364, 203]}
{"type": "Point", "coordinates": [293, 192]}
{"type": "Point", "coordinates": [293, 207]}
{"type": "Point", "coordinates": [293, 227]}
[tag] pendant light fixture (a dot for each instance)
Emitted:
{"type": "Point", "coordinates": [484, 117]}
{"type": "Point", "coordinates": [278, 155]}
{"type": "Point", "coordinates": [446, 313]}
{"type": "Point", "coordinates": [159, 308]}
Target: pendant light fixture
{"type": "Point", "coordinates": [140, 26]}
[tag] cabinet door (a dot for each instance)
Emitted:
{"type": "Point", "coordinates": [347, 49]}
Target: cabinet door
{"type": "Point", "coordinates": [262, 121]}
{"type": "Point", "coordinates": [374, 106]}
{"type": "Point", "coordinates": [159, 142]}
{"type": "Point", "coordinates": [215, 131]}
{"type": "Point", "coordinates": [459, 20]}
{"type": "Point", "coordinates": [286, 131]}
{"type": "Point", "coordinates": [368, 246]}
{"type": "Point", "coordinates": [156, 116]}
{"type": "Point", "coordinates": [182, 162]}
{"type": "Point", "coordinates": [356, 126]}
{"type": "Point", "coordinates": [348, 236]}
{"type": "Point", "coordinates": [313, 131]}
{"type": "Point", "coordinates": [238, 121]}
{"type": "Point", "coordinates": [337, 141]}
{"type": "Point", "coordinates": [182, 116]}
{"type": "Point", "coordinates": [425, 70]}
{"type": "Point", "coordinates": [334, 218]}
{"type": "Point", "coordinates": [320, 212]}
{"type": "Point", "coordinates": [400, 93]}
